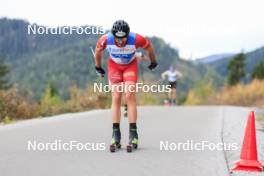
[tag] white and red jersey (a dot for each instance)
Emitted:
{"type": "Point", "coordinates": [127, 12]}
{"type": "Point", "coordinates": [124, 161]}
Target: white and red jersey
{"type": "Point", "coordinates": [126, 54]}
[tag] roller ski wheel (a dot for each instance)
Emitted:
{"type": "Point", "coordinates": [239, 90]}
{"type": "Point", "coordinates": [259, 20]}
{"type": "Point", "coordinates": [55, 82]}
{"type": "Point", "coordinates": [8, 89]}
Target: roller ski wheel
{"type": "Point", "coordinates": [114, 147]}
{"type": "Point", "coordinates": [131, 147]}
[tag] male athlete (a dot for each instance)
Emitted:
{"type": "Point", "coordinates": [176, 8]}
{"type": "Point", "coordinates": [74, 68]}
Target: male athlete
{"type": "Point", "coordinates": [121, 45]}
{"type": "Point", "coordinates": [172, 75]}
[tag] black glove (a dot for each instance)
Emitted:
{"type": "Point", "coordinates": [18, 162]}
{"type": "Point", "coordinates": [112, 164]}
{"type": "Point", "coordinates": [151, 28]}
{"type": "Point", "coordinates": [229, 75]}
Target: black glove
{"type": "Point", "coordinates": [153, 65]}
{"type": "Point", "coordinates": [100, 71]}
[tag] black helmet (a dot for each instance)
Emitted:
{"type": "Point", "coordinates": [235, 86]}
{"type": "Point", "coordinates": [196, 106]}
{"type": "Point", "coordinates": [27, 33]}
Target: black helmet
{"type": "Point", "coordinates": [120, 29]}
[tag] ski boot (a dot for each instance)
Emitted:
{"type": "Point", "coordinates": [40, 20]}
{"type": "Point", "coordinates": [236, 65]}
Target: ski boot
{"type": "Point", "coordinates": [173, 102]}
{"type": "Point", "coordinates": [133, 140]}
{"type": "Point", "coordinates": [115, 143]}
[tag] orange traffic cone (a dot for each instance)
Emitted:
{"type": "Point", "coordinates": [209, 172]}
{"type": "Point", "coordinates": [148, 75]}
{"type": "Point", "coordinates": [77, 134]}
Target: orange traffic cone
{"type": "Point", "coordinates": [249, 157]}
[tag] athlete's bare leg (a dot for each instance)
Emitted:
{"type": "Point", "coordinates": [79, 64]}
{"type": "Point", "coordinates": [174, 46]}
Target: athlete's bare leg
{"type": "Point", "coordinates": [130, 96]}
{"type": "Point", "coordinates": [116, 105]}
{"type": "Point", "coordinates": [170, 94]}
{"type": "Point", "coordinates": [173, 94]}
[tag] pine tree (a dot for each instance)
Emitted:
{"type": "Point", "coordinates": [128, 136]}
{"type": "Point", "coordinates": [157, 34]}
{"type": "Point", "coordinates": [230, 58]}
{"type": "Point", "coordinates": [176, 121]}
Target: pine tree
{"type": "Point", "coordinates": [258, 71]}
{"type": "Point", "coordinates": [236, 69]}
{"type": "Point", "coordinates": [49, 99]}
{"type": "Point", "coordinates": [4, 70]}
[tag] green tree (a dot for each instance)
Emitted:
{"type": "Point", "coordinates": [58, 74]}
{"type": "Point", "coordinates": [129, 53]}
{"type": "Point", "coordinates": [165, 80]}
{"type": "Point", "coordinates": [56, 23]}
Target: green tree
{"type": "Point", "coordinates": [49, 100]}
{"type": "Point", "coordinates": [53, 90]}
{"type": "Point", "coordinates": [4, 70]}
{"type": "Point", "coordinates": [258, 71]}
{"type": "Point", "coordinates": [236, 69]}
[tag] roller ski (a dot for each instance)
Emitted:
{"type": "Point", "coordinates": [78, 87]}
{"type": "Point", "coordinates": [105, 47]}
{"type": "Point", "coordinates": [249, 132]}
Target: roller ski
{"type": "Point", "coordinates": [133, 140]}
{"type": "Point", "coordinates": [166, 102]}
{"type": "Point", "coordinates": [115, 143]}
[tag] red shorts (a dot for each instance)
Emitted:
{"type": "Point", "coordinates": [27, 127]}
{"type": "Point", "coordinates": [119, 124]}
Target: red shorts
{"type": "Point", "coordinates": [118, 73]}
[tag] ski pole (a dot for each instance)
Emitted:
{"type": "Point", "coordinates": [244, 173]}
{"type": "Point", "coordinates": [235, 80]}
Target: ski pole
{"type": "Point", "coordinates": [93, 52]}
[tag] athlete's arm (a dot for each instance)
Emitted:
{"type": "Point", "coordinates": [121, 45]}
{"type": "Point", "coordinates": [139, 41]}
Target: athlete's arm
{"type": "Point", "coordinates": [151, 53]}
{"type": "Point", "coordinates": [100, 46]}
{"type": "Point", "coordinates": [142, 42]}
{"type": "Point", "coordinates": [98, 57]}
{"type": "Point", "coordinates": [164, 74]}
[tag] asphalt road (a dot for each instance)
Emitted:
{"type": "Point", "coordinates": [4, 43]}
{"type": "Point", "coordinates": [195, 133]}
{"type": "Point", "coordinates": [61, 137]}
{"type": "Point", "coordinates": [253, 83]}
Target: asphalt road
{"type": "Point", "coordinates": [156, 125]}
